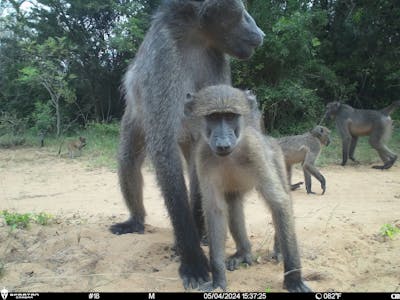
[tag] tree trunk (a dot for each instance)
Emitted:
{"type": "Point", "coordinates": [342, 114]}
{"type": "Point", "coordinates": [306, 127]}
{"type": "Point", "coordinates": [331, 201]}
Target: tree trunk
{"type": "Point", "coordinates": [58, 115]}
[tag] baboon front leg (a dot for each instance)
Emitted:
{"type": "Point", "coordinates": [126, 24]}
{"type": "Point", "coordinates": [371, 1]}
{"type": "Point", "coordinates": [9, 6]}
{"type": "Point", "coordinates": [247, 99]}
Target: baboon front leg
{"type": "Point", "coordinates": [131, 157]}
{"type": "Point", "coordinates": [162, 146]}
{"type": "Point", "coordinates": [196, 203]}
{"type": "Point", "coordinates": [353, 145]}
{"type": "Point", "coordinates": [345, 149]}
{"type": "Point", "coordinates": [281, 207]}
{"type": "Point", "coordinates": [237, 227]}
{"type": "Point", "coordinates": [307, 180]}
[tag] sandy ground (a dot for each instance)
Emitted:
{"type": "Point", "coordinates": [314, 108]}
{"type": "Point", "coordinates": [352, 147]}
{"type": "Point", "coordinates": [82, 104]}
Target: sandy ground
{"type": "Point", "coordinates": [338, 233]}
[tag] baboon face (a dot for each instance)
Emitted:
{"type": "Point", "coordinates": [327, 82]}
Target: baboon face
{"type": "Point", "coordinates": [332, 109]}
{"type": "Point", "coordinates": [230, 28]}
{"type": "Point", "coordinates": [222, 110]}
{"type": "Point", "coordinates": [222, 132]}
{"type": "Point", "coordinates": [322, 133]}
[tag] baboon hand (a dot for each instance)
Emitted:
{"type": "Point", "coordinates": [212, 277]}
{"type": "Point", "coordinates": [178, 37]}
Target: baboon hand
{"type": "Point", "coordinates": [294, 283]}
{"type": "Point", "coordinates": [323, 186]}
{"type": "Point", "coordinates": [195, 273]}
{"type": "Point", "coordinates": [298, 287]}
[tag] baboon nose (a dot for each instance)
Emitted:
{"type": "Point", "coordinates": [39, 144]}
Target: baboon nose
{"type": "Point", "coordinates": [223, 150]}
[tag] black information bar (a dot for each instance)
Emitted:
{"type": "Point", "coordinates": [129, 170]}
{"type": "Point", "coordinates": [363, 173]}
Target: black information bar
{"type": "Point", "coordinates": [199, 296]}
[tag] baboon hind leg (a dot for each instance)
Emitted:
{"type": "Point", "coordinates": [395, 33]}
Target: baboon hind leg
{"type": "Point", "coordinates": [310, 169]}
{"type": "Point", "coordinates": [195, 193]}
{"type": "Point", "coordinates": [237, 227]}
{"type": "Point", "coordinates": [282, 214]}
{"type": "Point", "coordinates": [294, 186]}
{"type": "Point", "coordinates": [387, 156]}
{"type": "Point", "coordinates": [131, 157]}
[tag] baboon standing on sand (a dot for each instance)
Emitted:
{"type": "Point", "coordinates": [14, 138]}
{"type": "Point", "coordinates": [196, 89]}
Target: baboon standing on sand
{"type": "Point", "coordinates": [305, 149]}
{"type": "Point", "coordinates": [232, 157]}
{"type": "Point", "coordinates": [352, 123]}
{"type": "Point", "coordinates": [184, 50]}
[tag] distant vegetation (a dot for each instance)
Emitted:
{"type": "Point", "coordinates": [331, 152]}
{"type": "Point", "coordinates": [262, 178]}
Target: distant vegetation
{"type": "Point", "coordinates": [62, 62]}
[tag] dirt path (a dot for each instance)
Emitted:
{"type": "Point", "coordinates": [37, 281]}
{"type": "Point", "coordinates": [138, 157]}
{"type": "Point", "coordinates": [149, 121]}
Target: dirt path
{"type": "Point", "coordinates": [338, 233]}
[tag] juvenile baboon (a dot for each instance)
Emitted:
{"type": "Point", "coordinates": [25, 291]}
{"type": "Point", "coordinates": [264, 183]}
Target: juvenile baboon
{"type": "Point", "coordinates": [42, 135]}
{"type": "Point", "coordinates": [232, 157]}
{"type": "Point", "coordinates": [352, 123]}
{"type": "Point", "coordinates": [184, 50]}
{"type": "Point", "coordinates": [305, 149]}
{"type": "Point", "coordinates": [76, 146]}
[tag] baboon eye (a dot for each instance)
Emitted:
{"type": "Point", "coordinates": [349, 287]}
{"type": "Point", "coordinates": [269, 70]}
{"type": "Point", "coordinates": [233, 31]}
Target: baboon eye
{"type": "Point", "coordinates": [230, 116]}
{"type": "Point", "coordinates": [213, 117]}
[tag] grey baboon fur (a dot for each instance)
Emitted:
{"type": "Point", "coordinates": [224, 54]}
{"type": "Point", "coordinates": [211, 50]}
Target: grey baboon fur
{"type": "Point", "coordinates": [352, 123]}
{"type": "Point", "coordinates": [232, 157]}
{"type": "Point", "coordinates": [184, 50]}
{"type": "Point", "coordinates": [305, 149]}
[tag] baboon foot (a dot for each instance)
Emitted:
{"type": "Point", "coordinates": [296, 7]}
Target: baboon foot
{"type": "Point", "coordinates": [296, 186]}
{"type": "Point", "coordinates": [129, 226]}
{"type": "Point", "coordinates": [233, 262]}
{"type": "Point", "coordinates": [390, 163]}
{"type": "Point", "coordinates": [294, 283]}
{"type": "Point", "coordinates": [311, 192]}
{"type": "Point", "coordinates": [194, 272]}
{"type": "Point", "coordinates": [386, 165]}
{"type": "Point", "coordinates": [354, 160]}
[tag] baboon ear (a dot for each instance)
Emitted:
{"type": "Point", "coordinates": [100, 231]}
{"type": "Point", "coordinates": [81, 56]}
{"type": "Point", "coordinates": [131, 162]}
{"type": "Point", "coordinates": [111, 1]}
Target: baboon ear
{"type": "Point", "coordinates": [251, 99]}
{"type": "Point", "coordinates": [189, 105]}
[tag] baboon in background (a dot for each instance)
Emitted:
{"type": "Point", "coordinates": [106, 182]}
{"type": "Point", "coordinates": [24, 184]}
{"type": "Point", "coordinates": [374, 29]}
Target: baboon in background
{"type": "Point", "coordinates": [76, 146]}
{"type": "Point", "coordinates": [232, 157]}
{"type": "Point", "coordinates": [305, 149]}
{"type": "Point", "coordinates": [352, 123]}
{"type": "Point", "coordinates": [42, 135]}
{"type": "Point", "coordinates": [184, 50]}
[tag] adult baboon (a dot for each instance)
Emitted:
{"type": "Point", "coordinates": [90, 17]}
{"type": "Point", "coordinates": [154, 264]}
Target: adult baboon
{"type": "Point", "coordinates": [305, 149]}
{"type": "Point", "coordinates": [232, 157]}
{"type": "Point", "coordinates": [352, 123]}
{"type": "Point", "coordinates": [76, 146]}
{"type": "Point", "coordinates": [184, 50]}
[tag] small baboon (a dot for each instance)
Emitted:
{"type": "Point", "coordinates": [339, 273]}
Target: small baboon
{"type": "Point", "coordinates": [352, 123]}
{"type": "Point", "coordinates": [185, 49]}
{"type": "Point", "coordinates": [232, 157]}
{"type": "Point", "coordinates": [305, 149]}
{"type": "Point", "coordinates": [76, 146]}
{"type": "Point", "coordinates": [42, 135]}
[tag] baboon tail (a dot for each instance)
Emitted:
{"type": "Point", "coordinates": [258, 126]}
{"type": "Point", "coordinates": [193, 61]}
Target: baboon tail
{"type": "Point", "coordinates": [389, 109]}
